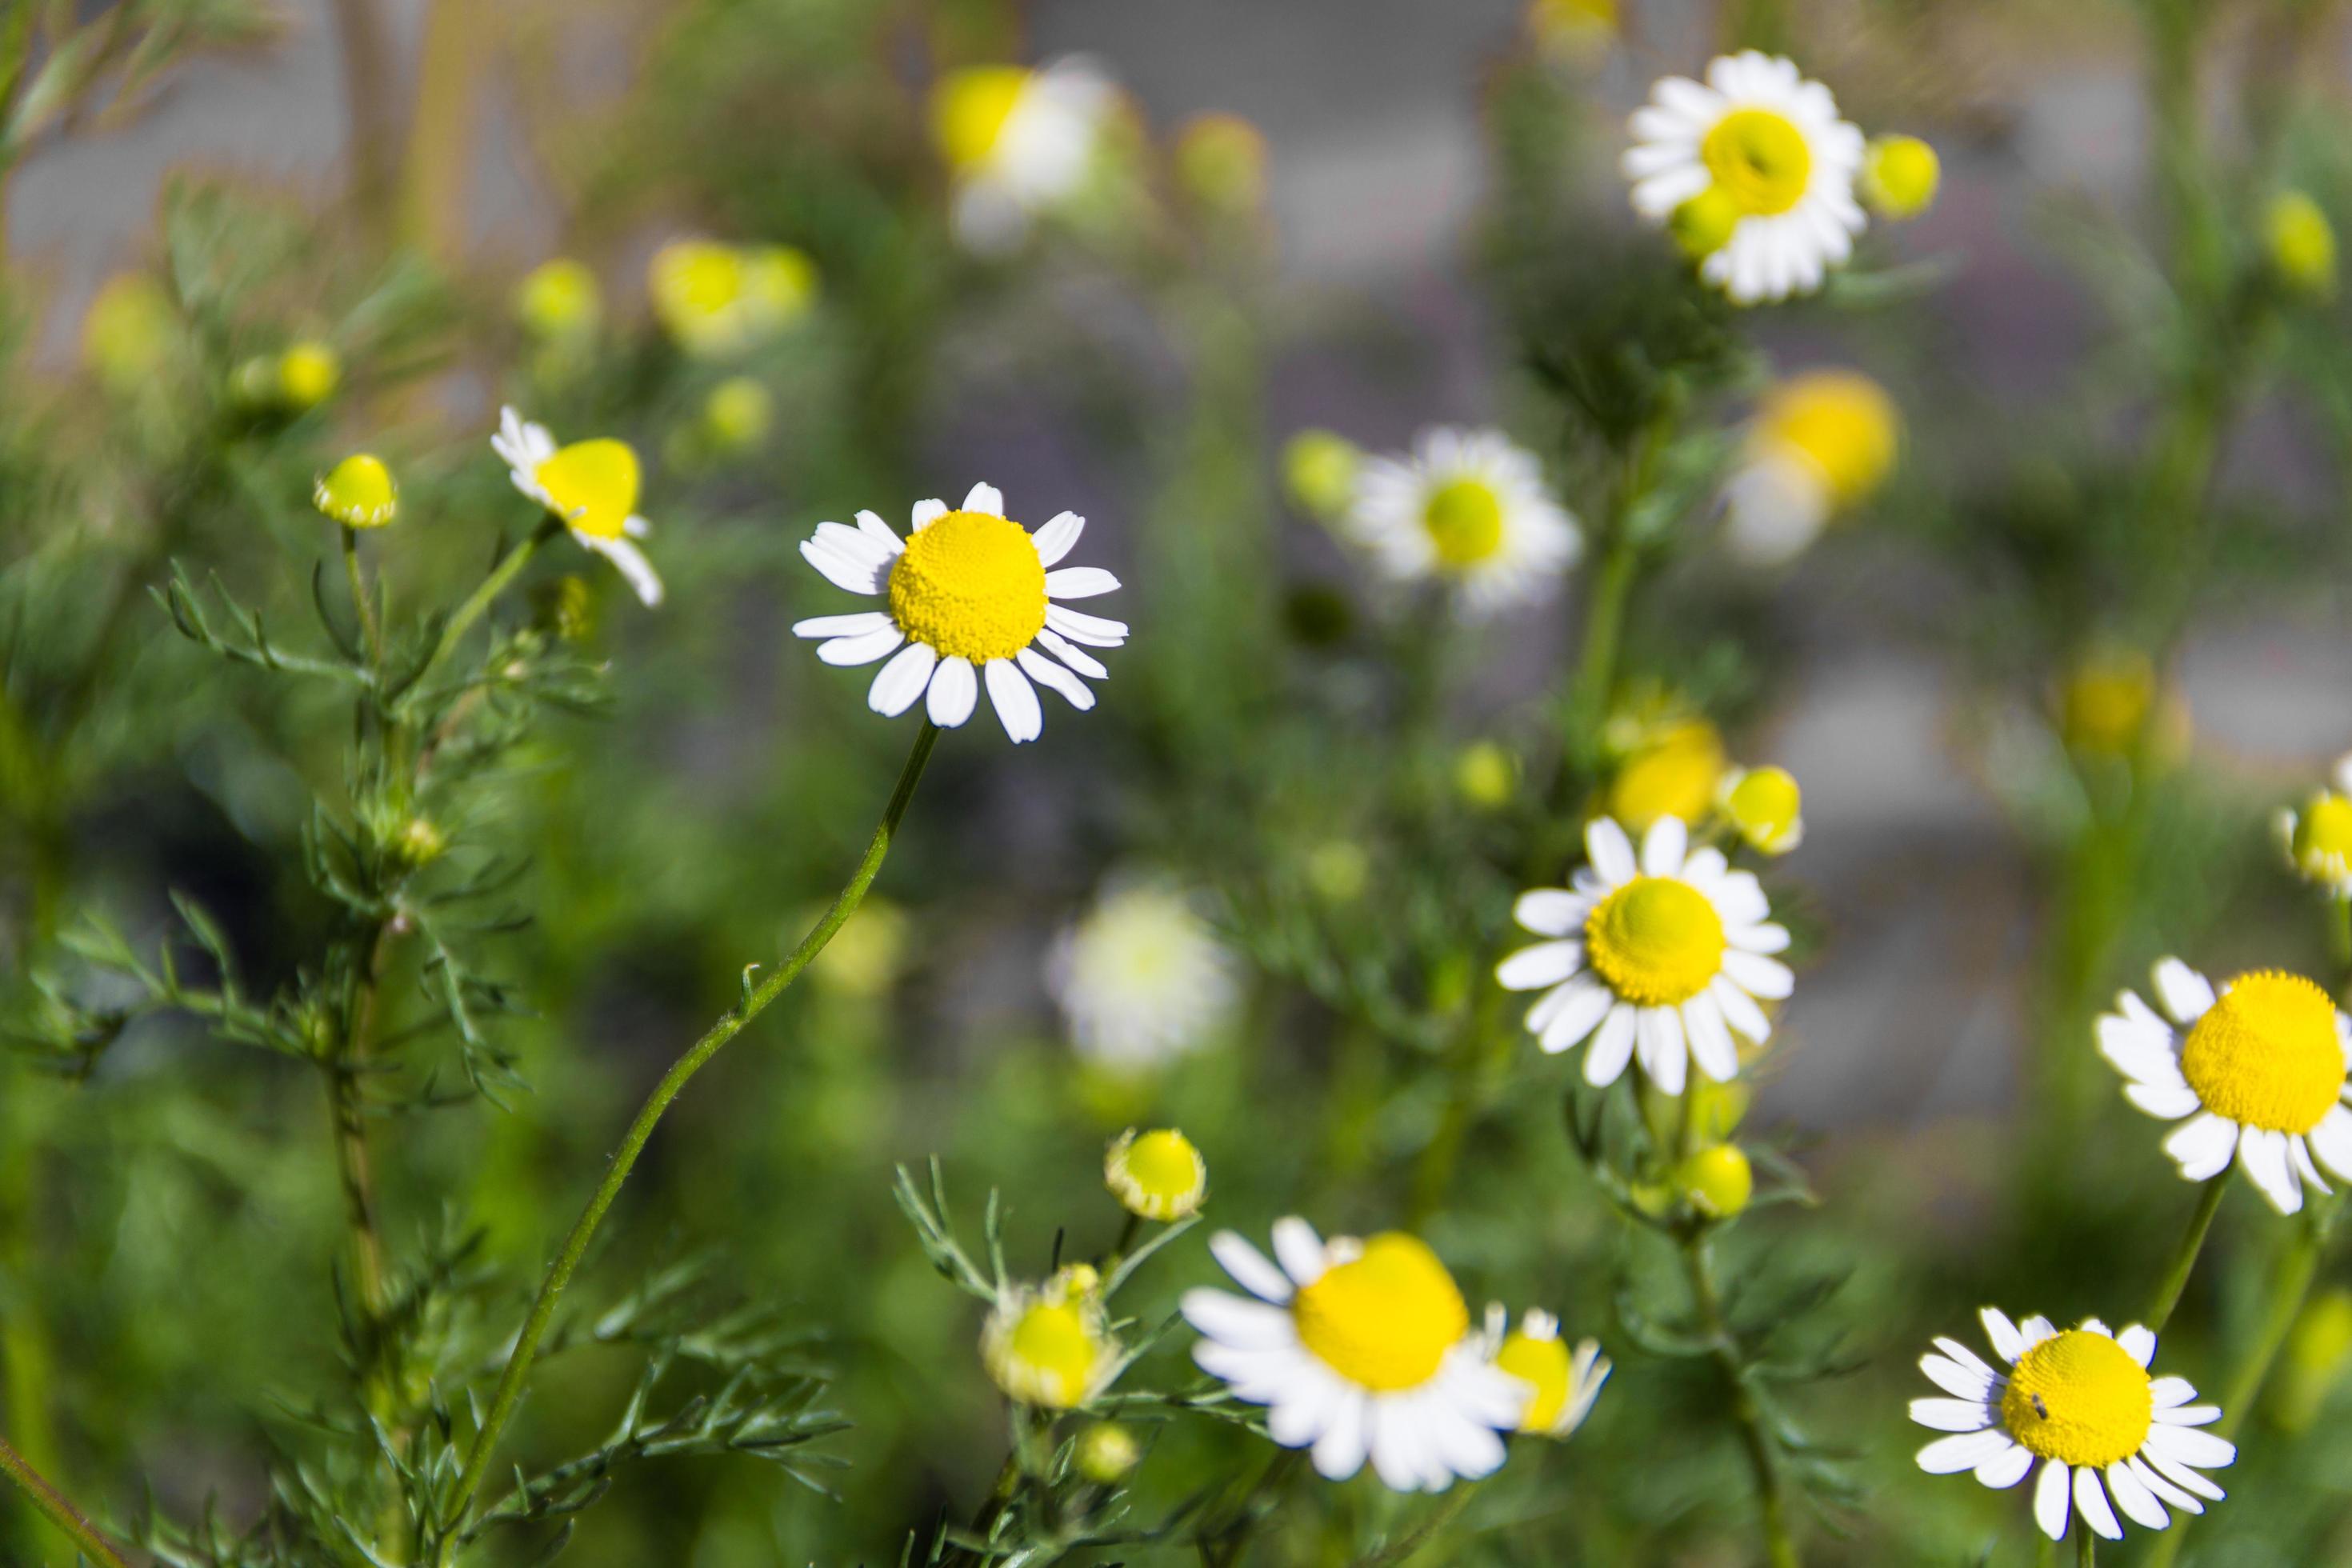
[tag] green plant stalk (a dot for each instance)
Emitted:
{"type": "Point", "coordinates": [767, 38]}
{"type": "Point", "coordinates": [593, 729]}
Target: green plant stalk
{"type": "Point", "coordinates": [480, 602]}
{"type": "Point", "coordinates": [2087, 1548]}
{"type": "Point", "coordinates": [2184, 1256]}
{"type": "Point", "coordinates": [369, 631]}
{"type": "Point", "coordinates": [57, 1510]}
{"type": "Point", "coordinates": [1772, 1509]}
{"type": "Point", "coordinates": [1407, 1546]}
{"type": "Point", "coordinates": [633, 1142]}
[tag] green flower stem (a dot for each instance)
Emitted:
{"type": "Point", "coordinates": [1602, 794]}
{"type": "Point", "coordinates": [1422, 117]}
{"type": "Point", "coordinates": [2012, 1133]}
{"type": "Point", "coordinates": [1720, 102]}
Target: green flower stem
{"type": "Point", "coordinates": [633, 1142]}
{"type": "Point", "coordinates": [2339, 937]}
{"type": "Point", "coordinates": [1405, 1548]}
{"type": "Point", "coordinates": [370, 630]}
{"type": "Point", "coordinates": [57, 1510]}
{"type": "Point", "coordinates": [2184, 1256]}
{"type": "Point", "coordinates": [2087, 1546]}
{"type": "Point", "coordinates": [1698, 1262]}
{"type": "Point", "coordinates": [496, 582]}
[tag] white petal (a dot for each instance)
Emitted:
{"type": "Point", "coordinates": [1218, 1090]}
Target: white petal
{"type": "Point", "coordinates": [2191, 1414]}
{"type": "Point", "coordinates": [864, 649]}
{"type": "Point", "coordinates": [2139, 1342]}
{"type": "Point", "coordinates": [841, 571]}
{"type": "Point", "coordinates": [2262, 1153]}
{"type": "Point", "coordinates": [2188, 1445]}
{"type": "Point", "coordinates": [2180, 1476]}
{"type": "Point", "coordinates": [1055, 539]}
{"type": "Point", "coordinates": [1582, 1004]}
{"type": "Point", "coordinates": [1739, 1010]}
{"type": "Point", "coordinates": [2132, 1496]}
{"type": "Point", "coordinates": [2005, 1468]}
{"type": "Point", "coordinates": [2007, 1342]}
{"type": "Point", "coordinates": [2169, 1103]}
{"type": "Point", "coordinates": [2184, 993]}
{"type": "Point", "coordinates": [2331, 1140]}
{"type": "Point", "coordinates": [1710, 1039]}
{"type": "Point", "coordinates": [1968, 1359]}
{"type": "Point", "coordinates": [633, 565]}
{"type": "Point", "coordinates": [1612, 1047]}
{"type": "Point", "coordinates": [1045, 672]}
{"type": "Point", "coordinates": [2203, 1145]}
{"type": "Point", "coordinates": [1551, 911]}
{"type": "Point", "coordinates": [2169, 1392]}
{"type": "Point", "coordinates": [954, 691]}
{"type": "Point", "coordinates": [1660, 1048]}
{"type": "Point", "coordinates": [850, 626]}
{"type": "Point", "coordinates": [2051, 1496]}
{"type": "Point", "coordinates": [984, 498]}
{"type": "Point", "coordinates": [902, 680]}
{"type": "Point", "coordinates": [1230, 1320]}
{"type": "Point", "coordinates": [1762, 937]}
{"type": "Point", "coordinates": [1015, 700]}
{"type": "Point", "coordinates": [1339, 1452]}
{"type": "Point", "coordinates": [856, 544]}
{"type": "Point", "coordinates": [871, 525]}
{"type": "Point", "coordinates": [1758, 976]}
{"type": "Point", "coordinates": [1664, 846]}
{"type": "Point", "coordinates": [1534, 968]}
{"type": "Point", "coordinates": [1299, 1250]}
{"type": "Point", "coordinates": [1953, 1415]}
{"type": "Point", "coordinates": [1079, 583]}
{"type": "Point", "coordinates": [2164, 1489]}
{"type": "Point", "coordinates": [1070, 654]}
{"type": "Point", "coordinates": [926, 513]}
{"type": "Point", "coordinates": [1611, 852]}
{"type": "Point", "coordinates": [2091, 1500]}
{"type": "Point", "coordinates": [1095, 631]}
{"type": "Point", "coordinates": [1249, 1266]}
{"type": "Point", "coordinates": [1950, 1456]}
{"type": "Point", "coordinates": [1959, 1382]}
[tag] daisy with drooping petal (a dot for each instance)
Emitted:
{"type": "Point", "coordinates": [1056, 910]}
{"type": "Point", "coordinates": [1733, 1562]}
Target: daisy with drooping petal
{"type": "Point", "coordinates": [1468, 508]}
{"type": "Point", "coordinates": [971, 594]}
{"type": "Point", "coordinates": [1141, 978]}
{"type": "Point", "coordinates": [2083, 1402]}
{"type": "Point", "coordinates": [1662, 958]}
{"type": "Point", "coordinates": [1017, 143]}
{"type": "Point", "coordinates": [2254, 1071]}
{"type": "Point", "coordinates": [1358, 1350]}
{"type": "Point", "coordinates": [1564, 1385]}
{"type": "Point", "coordinates": [591, 486]}
{"type": "Point", "coordinates": [1756, 160]}
{"type": "Point", "coordinates": [2318, 837]}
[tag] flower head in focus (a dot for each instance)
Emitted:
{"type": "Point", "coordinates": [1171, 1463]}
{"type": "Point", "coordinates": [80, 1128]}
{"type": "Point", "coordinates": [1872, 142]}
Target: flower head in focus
{"type": "Point", "coordinates": [1662, 957]}
{"type": "Point", "coordinates": [972, 596]}
{"type": "Point", "coordinates": [2317, 835]}
{"type": "Point", "coordinates": [1050, 1346]}
{"type": "Point", "coordinates": [2080, 1401]}
{"type": "Point", "coordinates": [1017, 143]}
{"type": "Point", "coordinates": [1156, 1176]}
{"type": "Point", "coordinates": [591, 486]}
{"type": "Point", "coordinates": [1468, 509]}
{"type": "Point", "coordinates": [1358, 1350]}
{"type": "Point", "coordinates": [1564, 1383]}
{"type": "Point", "coordinates": [1755, 172]}
{"type": "Point", "coordinates": [2253, 1071]}
{"type": "Point", "coordinates": [1822, 443]}
{"type": "Point", "coordinates": [1141, 978]}
{"type": "Point", "coordinates": [718, 300]}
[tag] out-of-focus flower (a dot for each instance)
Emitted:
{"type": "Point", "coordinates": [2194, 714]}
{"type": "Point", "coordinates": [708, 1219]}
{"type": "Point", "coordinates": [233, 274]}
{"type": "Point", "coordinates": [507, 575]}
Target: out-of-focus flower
{"type": "Point", "coordinates": [2316, 1355]}
{"type": "Point", "coordinates": [1338, 871]}
{"type": "Point", "coordinates": [1156, 1176]}
{"type": "Point", "coordinates": [1107, 1453]}
{"type": "Point", "coordinates": [1050, 1347]}
{"type": "Point", "coordinates": [738, 414]}
{"type": "Point", "coordinates": [559, 299]}
{"type": "Point", "coordinates": [358, 493]}
{"type": "Point", "coordinates": [592, 486]}
{"type": "Point", "coordinates": [1318, 471]}
{"type": "Point", "coordinates": [864, 957]}
{"type": "Point", "coordinates": [1221, 160]}
{"type": "Point", "coordinates": [1486, 776]}
{"type": "Point", "coordinates": [1675, 772]}
{"type": "Point", "coordinates": [1578, 31]}
{"type": "Point", "coordinates": [2252, 1072]}
{"type": "Point", "coordinates": [971, 594]}
{"type": "Point", "coordinates": [1822, 443]}
{"type": "Point", "coordinates": [1759, 136]}
{"type": "Point", "coordinates": [2082, 1402]}
{"type": "Point", "coordinates": [1017, 143]}
{"type": "Point", "coordinates": [308, 374]}
{"type": "Point", "coordinates": [717, 300]}
{"type": "Point", "coordinates": [1663, 957]}
{"type": "Point", "coordinates": [2106, 700]}
{"type": "Point", "coordinates": [1564, 1386]}
{"type": "Point", "coordinates": [128, 332]}
{"type": "Point", "coordinates": [1766, 808]}
{"type": "Point", "coordinates": [1141, 978]}
{"type": "Point", "coordinates": [1466, 508]}
{"type": "Point", "coordinates": [1717, 1181]}
{"type": "Point", "coordinates": [2302, 243]}
{"type": "Point", "coordinates": [1358, 1349]}
{"type": "Point", "coordinates": [1900, 175]}
{"type": "Point", "coordinates": [2318, 837]}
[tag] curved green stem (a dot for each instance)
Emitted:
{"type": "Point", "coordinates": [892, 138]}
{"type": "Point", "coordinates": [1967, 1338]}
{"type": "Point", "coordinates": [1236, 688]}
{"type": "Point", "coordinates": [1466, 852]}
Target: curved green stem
{"type": "Point", "coordinates": [2184, 1256]}
{"type": "Point", "coordinates": [371, 632]}
{"type": "Point", "coordinates": [633, 1142]}
{"type": "Point", "coordinates": [503, 574]}
{"type": "Point", "coordinates": [57, 1510]}
{"type": "Point", "coordinates": [1772, 1509]}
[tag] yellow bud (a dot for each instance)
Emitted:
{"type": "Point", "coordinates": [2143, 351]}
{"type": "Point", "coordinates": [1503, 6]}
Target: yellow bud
{"type": "Point", "coordinates": [1766, 807]}
{"type": "Point", "coordinates": [1107, 1453]}
{"type": "Point", "coordinates": [2302, 244]}
{"type": "Point", "coordinates": [737, 414]}
{"type": "Point", "coordinates": [1703, 225]}
{"type": "Point", "coordinates": [1675, 774]}
{"type": "Point", "coordinates": [1716, 1182]}
{"type": "Point", "coordinates": [780, 285]}
{"type": "Point", "coordinates": [308, 374]}
{"type": "Point", "coordinates": [1338, 871]}
{"type": "Point", "coordinates": [1486, 776]}
{"type": "Point", "coordinates": [1899, 176]}
{"type": "Point", "coordinates": [1715, 1109]}
{"type": "Point", "coordinates": [128, 332]}
{"type": "Point", "coordinates": [1220, 163]}
{"type": "Point", "coordinates": [358, 493]}
{"type": "Point", "coordinates": [421, 841]}
{"type": "Point", "coordinates": [1318, 470]}
{"type": "Point", "coordinates": [559, 298]}
{"type": "Point", "coordinates": [1156, 1176]}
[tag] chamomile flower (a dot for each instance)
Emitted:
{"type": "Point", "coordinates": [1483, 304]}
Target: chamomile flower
{"type": "Point", "coordinates": [591, 486]}
{"type": "Point", "coordinates": [1757, 161]}
{"type": "Point", "coordinates": [1468, 508]}
{"type": "Point", "coordinates": [2317, 837]}
{"type": "Point", "coordinates": [1564, 1383]}
{"type": "Point", "coordinates": [970, 596]}
{"type": "Point", "coordinates": [1050, 1346]}
{"type": "Point", "coordinates": [1822, 443]}
{"type": "Point", "coordinates": [2253, 1071]}
{"type": "Point", "coordinates": [2082, 1402]}
{"type": "Point", "coordinates": [1663, 958]}
{"type": "Point", "coordinates": [1765, 807]}
{"type": "Point", "coordinates": [1141, 978]}
{"type": "Point", "coordinates": [1017, 143]}
{"type": "Point", "coordinates": [1358, 1350]}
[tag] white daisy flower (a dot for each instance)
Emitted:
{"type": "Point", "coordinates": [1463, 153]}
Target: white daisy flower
{"type": "Point", "coordinates": [1467, 508]}
{"type": "Point", "coordinates": [2318, 837]}
{"type": "Point", "coordinates": [1017, 143]}
{"type": "Point", "coordinates": [2082, 1402]}
{"type": "Point", "coordinates": [1564, 1385]}
{"type": "Point", "coordinates": [1757, 162]}
{"type": "Point", "coordinates": [972, 596]}
{"type": "Point", "coordinates": [1663, 958]}
{"type": "Point", "coordinates": [2254, 1072]}
{"type": "Point", "coordinates": [592, 486]}
{"type": "Point", "coordinates": [1358, 1349]}
{"type": "Point", "coordinates": [1141, 978]}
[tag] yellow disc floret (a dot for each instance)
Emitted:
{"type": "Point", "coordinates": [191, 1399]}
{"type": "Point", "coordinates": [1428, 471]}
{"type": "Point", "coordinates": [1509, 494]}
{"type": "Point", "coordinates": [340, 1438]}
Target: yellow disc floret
{"type": "Point", "coordinates": [2079, 1398]}
{"type": "Point", "coordinates": [1159, 1176]}
{"type": "Point", "coordinates": [1465, 519]}
{"type": "Point", "coordinates": [971, 585]}
{"type": "Point", "coordinates": [1541, 1362]}
{"type": "Point", "coordinates": [2266, 1053]}
{"type": "Point", "coordinates": [1385, 1319]}
{"type": "Point", "coordinates": [1656, 941]}
{"type": "Point", "coordinates": [969, 111]}
{"type": "Point", "coordinates": [592, 486]}
{"type": "Point", "coordinates": [1759, 160]}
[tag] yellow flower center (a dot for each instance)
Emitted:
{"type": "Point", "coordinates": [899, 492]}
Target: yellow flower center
{"type": "Point", "coordinates": [1465, 519]}
{"type": "Point", "coordinates": [1542, 1362]}
{"type": "Point", "coordinates": [1656, 941]}
{"type": "Point", "coordinates": [969, 110]}
{"type": "Point", "coordinates": [2078, 1399]}
{"type": "Point", "coordinates": [2322, 835]}
{"type": "Point", "coordinates": [1384, 1319]}
{"type": "Point", "coordinates": [1759, 160]}
{"type": "Point", "coordinates": [2266, 1053]}
{"type": "Point", "coordinates": [593, 485]}
{"type": "Point", "coordinates": [1765, 806]}
{"type": "Point", "coordinates": [358, 493]}
{"type": "Point", "coordinates": [1845, 424]}
{"type": "Point", "coordinates": [1054, 1351]}
{"type": "Point", "coordinates": [971, 586]}
{"type": "Point", "coordinates": [1674, 775]}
